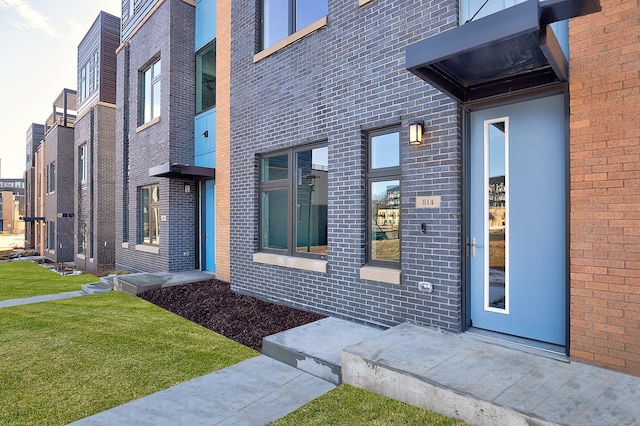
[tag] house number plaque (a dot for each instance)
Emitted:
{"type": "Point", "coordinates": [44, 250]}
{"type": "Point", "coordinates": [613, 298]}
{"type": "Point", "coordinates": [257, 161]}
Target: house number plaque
{"type": "Point", "coordinates": [432, 202]}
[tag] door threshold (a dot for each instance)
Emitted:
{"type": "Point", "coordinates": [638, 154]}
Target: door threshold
{"type": "Point", "coordinates": [547, 350]}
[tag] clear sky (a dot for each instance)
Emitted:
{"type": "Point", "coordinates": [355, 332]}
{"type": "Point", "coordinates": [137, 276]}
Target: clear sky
{"type": "Point", "coordinates": [38, 58]}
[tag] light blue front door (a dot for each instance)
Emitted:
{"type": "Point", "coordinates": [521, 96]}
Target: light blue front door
{"type": "Point", "coordinates": [208, 226]}
{"type": "Point", "coordinates": [517, 238]}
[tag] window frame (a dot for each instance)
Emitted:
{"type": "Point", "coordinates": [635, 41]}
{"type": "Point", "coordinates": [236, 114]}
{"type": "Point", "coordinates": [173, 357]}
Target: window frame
{"type": "Point", "coordinates": [291, 22]}
{"type": "Point", "coordinates": [199, 54]}
{"type": "Point", "coordinates": [154, 223]}
{"type": "Point", "coordinates": [82, 163]}
{"type": "Point", "coordinates": [382, 174]}
{"type": "Point", "coordinates": [145, 72]}
{"type": "Point", "coordinates": [290, 184]}
{"type": "Point", "coordinates": [51, 178]}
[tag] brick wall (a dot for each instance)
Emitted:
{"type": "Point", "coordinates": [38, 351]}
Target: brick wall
{"type": "Point", "coordinates": [169, 34]}
{"type": "Point", "coordinates": [605, 186]}
{"type": "Point", "coordinates": [334, 85]}
{"type": "Point", "coordinates": [223, 90]}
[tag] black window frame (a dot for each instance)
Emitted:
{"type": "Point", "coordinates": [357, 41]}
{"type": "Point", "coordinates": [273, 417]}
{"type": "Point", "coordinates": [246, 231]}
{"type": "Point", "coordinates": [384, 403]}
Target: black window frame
{"type": "Point", "coordinates": [380, 175]}
{"type": "Point", "coordinates": [198, 98]}
{"type": "Point", "coordinates": [290, 185]}
{"type": "Point", "coordinates": [153, 223]}
{"type": "Point", "coordinates": [142, 93]}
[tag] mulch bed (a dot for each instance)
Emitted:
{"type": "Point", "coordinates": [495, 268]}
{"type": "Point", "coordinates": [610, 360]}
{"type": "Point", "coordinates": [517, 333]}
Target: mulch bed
{"type": "Point", "coordinates": [213, 305]}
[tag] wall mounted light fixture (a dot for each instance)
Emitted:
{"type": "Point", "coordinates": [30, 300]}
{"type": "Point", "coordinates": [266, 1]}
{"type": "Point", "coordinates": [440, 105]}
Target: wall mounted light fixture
{"type": "Point", "coordinates": [415, 133]}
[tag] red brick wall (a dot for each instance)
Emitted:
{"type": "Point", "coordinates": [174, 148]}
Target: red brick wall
{"type": "Point", "coordinates": [605, 186]}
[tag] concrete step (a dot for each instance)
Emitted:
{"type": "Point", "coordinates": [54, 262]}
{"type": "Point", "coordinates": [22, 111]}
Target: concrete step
{"type": "Point", "coordinates": [483, 383]}
{"type": "Point", "coordinates": [96, 288]}
{"type": "Point", "coordinates": [315, 347]}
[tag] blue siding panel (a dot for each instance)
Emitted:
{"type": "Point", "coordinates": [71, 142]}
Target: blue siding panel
{"type": "Point", "coordinates": [205, 22]}
{"type": "Point", "coordinates": [205, 147]}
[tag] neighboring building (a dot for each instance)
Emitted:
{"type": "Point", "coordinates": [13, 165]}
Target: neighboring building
{"type": "Point", "coordinates": [157, 197]}
{"type": "Point", "coordinates": [519, 240]}
{"type": "Point", "coordinates": [95, 136]}
{"type": "Point", "coordinates": [56, 176]}
{"type": "Point", "coordinates": [35, 134]}
{"type": "Point", "coordinates": [12, 205]}
{"type": "Point", "coordinates": [605, 187]}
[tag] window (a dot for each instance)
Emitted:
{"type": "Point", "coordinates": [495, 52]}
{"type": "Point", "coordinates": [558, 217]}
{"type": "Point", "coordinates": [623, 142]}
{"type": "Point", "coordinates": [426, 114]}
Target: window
{"type": "Point", "coordinates": [51, 235]}
{"type": "Point", "coordinates": [89, 77]}
{"type": "Point", "coordinates": [383, 197]}
{"type": "Point", "coordinates": [150, 215]}
{"type": "Point", "coordinates": [293, 201]}
{"type": "Point", "coordinates": [82, 232]}
{"type": "Point", "coordinates": [51, 177]}
{"type": "Point", "coordinates": [206, 78]}
{"type": "Point", "coordinates": [150, 93]}
{"type": "Point", "coordinates": [281, 18]}
{"type": "Point", "coordinates": [82, 163]}
{"type": "Point", "coordinates": [132, 7]}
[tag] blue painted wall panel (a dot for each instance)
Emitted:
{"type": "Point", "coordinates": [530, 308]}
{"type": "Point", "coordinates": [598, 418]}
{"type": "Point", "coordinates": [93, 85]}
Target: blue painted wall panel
{"type": "Point", "coordinates": [205, 22]}
{"type": "Point", "coordinates": [205, 147]}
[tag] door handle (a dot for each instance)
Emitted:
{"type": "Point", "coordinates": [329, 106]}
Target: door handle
{"type": "Point", "coordinates": [474, 246]}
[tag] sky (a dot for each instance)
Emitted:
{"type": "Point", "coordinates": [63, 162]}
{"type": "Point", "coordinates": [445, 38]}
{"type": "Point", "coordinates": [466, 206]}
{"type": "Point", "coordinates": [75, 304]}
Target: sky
{"type": "Point", "coordinates": [38, 58]}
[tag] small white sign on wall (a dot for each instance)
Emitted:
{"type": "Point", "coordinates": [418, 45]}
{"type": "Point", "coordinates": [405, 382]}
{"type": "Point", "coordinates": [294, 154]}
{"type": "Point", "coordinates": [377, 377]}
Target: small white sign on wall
{"type": "Point", "coordinates": [431, 202]}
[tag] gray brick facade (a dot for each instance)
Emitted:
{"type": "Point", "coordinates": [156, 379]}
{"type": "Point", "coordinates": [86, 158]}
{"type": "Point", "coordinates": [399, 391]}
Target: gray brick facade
{"type": "Point", "coordinates": [58, 204]}
{"type": "Point", "coordinates": [168, 34]}
{"type": "Point", "coordinates": [334, 85]}
{"type": "Point", "coordinates": [94, 202]}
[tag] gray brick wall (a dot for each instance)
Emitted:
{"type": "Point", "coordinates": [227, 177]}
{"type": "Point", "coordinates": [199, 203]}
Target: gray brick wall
{"type": "Point", "coordinates": [333, 86]}
{"type": "Point", "coordinates": [168, 33]}
{"type": "Point", "coordinates": [94, 201]}
{"type": "Point", "coordinates": [59, 148]}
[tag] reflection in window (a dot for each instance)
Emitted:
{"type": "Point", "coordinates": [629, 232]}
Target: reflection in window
{"type": "Point", "coordinates": [311, 200]}
{"type": "Point", "coordinates": [281, 18]}
{"type": "Point", "coordinates": [150, 93]}
{"type": "Point", "coordinates": [149, 215]}
{"type": "Point", "coordinates": [497, 203]}
{"type": "Point", "coordinates": [293, 201]}
{"type": "Point", "coordinates": [206, 79]}
{"type": "Point", "coordinates": [383, 205]}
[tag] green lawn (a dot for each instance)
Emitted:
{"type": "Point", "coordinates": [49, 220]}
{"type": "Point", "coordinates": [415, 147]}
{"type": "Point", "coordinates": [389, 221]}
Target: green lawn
{"type": "Point", "coordinates": [64, 360]}
{"type": "Point", "coordinates": [26, 279]}
{"type": "Point", "coordinates": [348, 405]}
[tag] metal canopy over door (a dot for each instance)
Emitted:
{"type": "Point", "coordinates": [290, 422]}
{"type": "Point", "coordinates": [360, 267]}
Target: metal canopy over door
{"type": "Point", "coordinates": [517, 239]}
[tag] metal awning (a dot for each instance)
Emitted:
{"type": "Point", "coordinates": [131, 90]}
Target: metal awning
{"type": "Point", "coordinates": [508, 51]}
{"type": "Point", "coordinates": [33, 218]}
{"type": "Point", "coordinates": [182, 171]}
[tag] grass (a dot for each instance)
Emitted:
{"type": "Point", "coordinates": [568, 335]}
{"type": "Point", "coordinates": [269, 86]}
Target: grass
{"type": "Point", "coordinates": [26, 279]}
{"type": "Point", "coordinates": [348, 405]}
{"type": "Point", "coordinates": [68, 359]}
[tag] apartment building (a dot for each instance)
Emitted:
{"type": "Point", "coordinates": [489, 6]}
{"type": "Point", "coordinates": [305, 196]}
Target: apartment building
{"type": "Point", "coordinates": [54, 170]}
{"type": "Point", "coordinates": [34, 136]}
{"type": "Point", "coordinates": [463, 165]}
{"type": "Point", "coordinates": [12, 205]}
{"type": "Point", "coordinates": [159, 224]}
{"type": "Point", "coordinates": [94, 151]}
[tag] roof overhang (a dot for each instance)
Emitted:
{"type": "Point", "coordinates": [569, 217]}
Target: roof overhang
{"type": "Point", "coordinates": [505, 52]}
{"type": "Point", "coordinates": [182, 171]}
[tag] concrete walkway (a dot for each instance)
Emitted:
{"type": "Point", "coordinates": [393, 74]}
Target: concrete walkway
{"type": "Point", "coordinates": [38, 299]}
{"type": "Point", "coordinates": [458, 375]}
{"type": "Point", "coordinates": [254, 392]}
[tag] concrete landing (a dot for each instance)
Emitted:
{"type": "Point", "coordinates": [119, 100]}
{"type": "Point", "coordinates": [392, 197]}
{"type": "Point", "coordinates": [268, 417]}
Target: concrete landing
{"type": "Point", "coordinates": [316, 347]}
{"type": "Point", "coordinates": [254, 392]}
{"type": "Point", "coordinates": [487, 384]}
{"type": "Point", "coordinates": [135, 284]}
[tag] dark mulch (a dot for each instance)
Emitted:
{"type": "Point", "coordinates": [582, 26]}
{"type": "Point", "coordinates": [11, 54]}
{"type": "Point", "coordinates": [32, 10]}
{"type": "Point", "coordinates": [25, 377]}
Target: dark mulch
{"type": "Point", "coordinates": [213, 305]}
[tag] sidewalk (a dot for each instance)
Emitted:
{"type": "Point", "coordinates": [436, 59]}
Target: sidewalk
{"type": "Point", "coordinates": [458, 375]}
